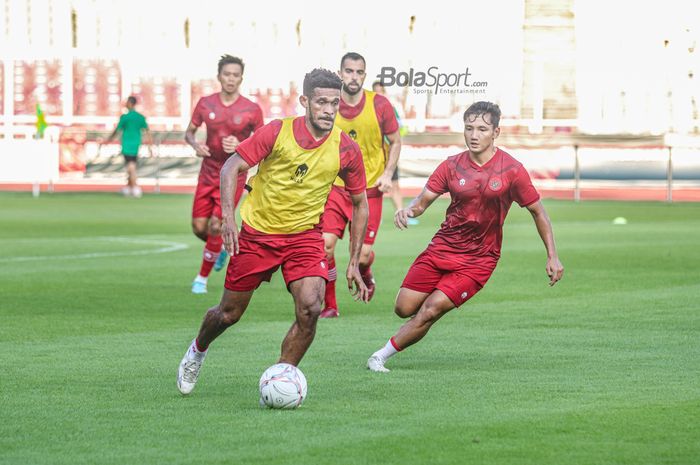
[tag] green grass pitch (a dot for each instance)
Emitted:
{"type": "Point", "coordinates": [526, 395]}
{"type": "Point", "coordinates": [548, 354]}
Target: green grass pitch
{"type": "Point", "coordinates": [603, 368]}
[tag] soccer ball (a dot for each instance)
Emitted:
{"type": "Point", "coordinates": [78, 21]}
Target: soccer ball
{"type": "Point", "coordinates": [282, 386]}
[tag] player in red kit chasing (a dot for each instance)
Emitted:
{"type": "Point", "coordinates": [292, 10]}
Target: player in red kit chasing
{"type": "Point", "coordinates": [483, 182]}
{"type": "Point", "coordinates": [230, 119]}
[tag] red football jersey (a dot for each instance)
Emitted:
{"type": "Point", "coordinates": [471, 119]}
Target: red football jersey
{"type": "Point", "coordinates": [240, 119]}
{"type": "Point", "coordinates": [481, 197]}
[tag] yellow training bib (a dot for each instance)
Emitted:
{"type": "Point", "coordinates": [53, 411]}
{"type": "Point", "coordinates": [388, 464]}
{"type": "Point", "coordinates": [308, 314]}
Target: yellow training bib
{"type": "Point", "coordinates": [365, 130]}
{"type": "Point", "coordinates": [290, 189]}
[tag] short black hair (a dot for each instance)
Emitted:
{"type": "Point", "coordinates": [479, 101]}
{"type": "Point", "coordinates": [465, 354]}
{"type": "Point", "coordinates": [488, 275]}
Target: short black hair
{"type": "Point", "coordinates": [230, 60]}
{"type": "Point", "coordinates": [131, 99]}
{"type": "Point", "coordinates": [321, 78]}
{"type": "Point", "coordinates": [482, 108]}
{"type": "Point", "coordinates": [352, 56]}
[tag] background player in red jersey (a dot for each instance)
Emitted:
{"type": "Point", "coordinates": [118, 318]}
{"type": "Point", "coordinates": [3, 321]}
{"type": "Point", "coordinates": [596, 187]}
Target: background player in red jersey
{"type": "Point", "coordinates": [298, 160]}
{"type": "Point", "coordinates": [483, 182]}
{"type": "Point", "coordinates": [368, 118]}
{"type": "Point", "coordinates": [230, 118]}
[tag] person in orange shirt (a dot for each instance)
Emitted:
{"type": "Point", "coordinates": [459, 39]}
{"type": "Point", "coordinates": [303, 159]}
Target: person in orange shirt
{"type": "Point", "coordinates": [368, 118]}
{"type": "Point", "coordinates": [298, 160]}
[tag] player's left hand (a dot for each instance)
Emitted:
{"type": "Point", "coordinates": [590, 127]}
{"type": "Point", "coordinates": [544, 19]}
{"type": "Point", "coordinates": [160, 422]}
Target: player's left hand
{"type": "Point", "coordinates": [401, 217]}
{"type": "Point", "coordinates": [555, 270]}
{"type": "Point", "coordinates": [229, 233]}
{"type": "Point", "coordinates": [384, 183]}
{"type": "Point", "coordinates": [357, 287]}
{"type": "Point", "coordinates": [229, 143]}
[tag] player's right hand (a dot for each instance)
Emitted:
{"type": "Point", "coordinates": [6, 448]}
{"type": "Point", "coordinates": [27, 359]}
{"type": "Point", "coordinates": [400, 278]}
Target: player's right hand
{"type": "Point", "coordinates": [202, 151]}
{"type": "Point", "coordinates": [356, 285]}
{"type": "Point", "coordinates": [384, 183]}
{"type": "Point", "coordinates": [554, 269]}
{"type": "Point", "coordinates": [401, 217]}
{"type": "Point", "coordinates": [229, 144]}
{"type": "Point", "coordinates": [229, 233]}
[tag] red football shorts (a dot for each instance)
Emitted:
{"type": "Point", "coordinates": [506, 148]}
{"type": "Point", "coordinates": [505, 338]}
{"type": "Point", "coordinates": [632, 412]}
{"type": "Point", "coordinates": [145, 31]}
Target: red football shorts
{"type": "Point", "coordinates": [338, 214]}
{"type": "Point", "coordinates": [433, 271]}
{"type": "Point", "coordinates": [207, 199]}
{"type": "Point", "coordinates": [300, 255]}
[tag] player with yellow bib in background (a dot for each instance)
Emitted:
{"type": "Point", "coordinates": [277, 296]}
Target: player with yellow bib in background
{"type": "Point", "coordinates": [367, 118]}
{"type": "Point", "coordinates": [298, 160]}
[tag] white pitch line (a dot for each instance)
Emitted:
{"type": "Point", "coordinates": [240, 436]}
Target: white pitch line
{"type": "Point", "coordinates": [168, 246]}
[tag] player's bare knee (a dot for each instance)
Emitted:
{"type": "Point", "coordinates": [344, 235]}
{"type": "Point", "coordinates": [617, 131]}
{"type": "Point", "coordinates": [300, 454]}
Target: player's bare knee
{"type": "Point", "coordinates": [229, 314]}
{"type": "Point", "coordinates": [429, 314]}
{"type": "Point", "coordinates": [329, 249]}
{"type": "Point", "coordinates": [214, 226]}
{"type": "Point", "coordinates": [309, 309]}
{"type": "Point", "coordinates": [365, 255]}
{"type": "Point", "coordinates": [215, 229]}
{"type": "Point", "coordinates": [403, 310]}
{"type": "Point", "coordinates": [199, 229]}
{"type": "Point", "coordinates": [231, 317]}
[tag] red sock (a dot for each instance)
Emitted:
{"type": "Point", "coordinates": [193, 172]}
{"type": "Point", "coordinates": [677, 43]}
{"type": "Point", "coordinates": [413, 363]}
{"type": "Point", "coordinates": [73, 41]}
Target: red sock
{"type": "Point", "coordinates": [212, 249]}
{"type": "Point", "coordinates": [330, 286]}
{"type": "Point", "coordinates": [365, 268]}
{"type": "Point", "coordinates": [396, 346]}
{"type": "Point", "coordinates": [199, 347]}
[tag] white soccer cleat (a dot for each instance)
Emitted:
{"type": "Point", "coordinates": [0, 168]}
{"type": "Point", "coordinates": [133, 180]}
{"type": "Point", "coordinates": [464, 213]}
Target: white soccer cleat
{"type": "Point", "coordinates": [199, 287]}
{"type": "Point", "coordinates": [376, 364]}
{"type": "Point", "coordinates": [137, 192]}
{"type": "Point", "coordinates": [188, 372]}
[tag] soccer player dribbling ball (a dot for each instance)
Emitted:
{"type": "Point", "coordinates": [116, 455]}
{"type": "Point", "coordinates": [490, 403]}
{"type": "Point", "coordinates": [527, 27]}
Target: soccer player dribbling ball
{"type": "Point", "coordinates": [368, 118]}
{"type": "Point", "coordinates": [483, 182]}
{"type": "Point", "coordinates": [230, 118]}
{"type": "Point", "coordinates": [298, 159]}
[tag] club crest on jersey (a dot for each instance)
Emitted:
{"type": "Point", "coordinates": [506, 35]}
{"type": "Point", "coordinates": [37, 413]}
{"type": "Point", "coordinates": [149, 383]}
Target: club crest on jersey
{"type": "Point", "coordinates": [495, 184]}
{"type": "Point", "coordinates": [212, 115]}
{"type": "Point", "coordinates": [353, 134]}
{"type": "Point", "coordinates": [462, 182]}
{"type": "Point", "coordinates": [300, 173]}
{"type": "Point", "coordinates": [237, 119]}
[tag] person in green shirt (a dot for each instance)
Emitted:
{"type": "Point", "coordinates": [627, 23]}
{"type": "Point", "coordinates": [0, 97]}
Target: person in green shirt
{"type": "Point", "coordinates": [131, 124]}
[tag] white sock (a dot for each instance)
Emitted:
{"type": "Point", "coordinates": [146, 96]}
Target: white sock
{"type": "Point", "coordinates": [387, 351]}
{"type": "Point", "coordinates": [201, 279]}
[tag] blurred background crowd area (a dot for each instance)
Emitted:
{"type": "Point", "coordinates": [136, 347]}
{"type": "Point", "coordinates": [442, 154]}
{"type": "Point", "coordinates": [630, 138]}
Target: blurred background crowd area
{"type": "Point", "coordinates": [564, 72]}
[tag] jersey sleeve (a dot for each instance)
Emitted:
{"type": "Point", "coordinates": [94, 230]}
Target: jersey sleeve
{"type": "Point", "coordinates": [386, 115]}
{"type": "Point", "coordinates": [197, 113]}
{"type": "Point", "coordinates": [258, 120]}
{"type": "Point", "coordinates": [260, 144]}
{"type": "Point", "coordinates": [521, 189]}
{"type": "Point", "coordinates": [121, 123]}
{"type": "Point", "coordinates": [144, 124]}
{"type": "Point", "coordinates": [352, 168]}
{"type": "Point", "coordinates": [438, 182]}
